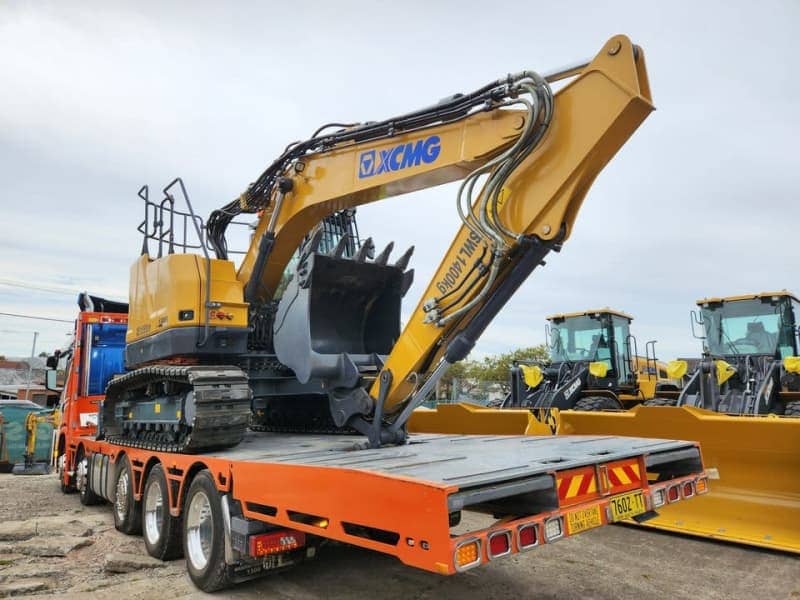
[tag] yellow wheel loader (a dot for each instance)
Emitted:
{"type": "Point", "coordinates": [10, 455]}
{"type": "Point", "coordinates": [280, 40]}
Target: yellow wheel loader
{"type": "Point", "coordinates": [594, 365]}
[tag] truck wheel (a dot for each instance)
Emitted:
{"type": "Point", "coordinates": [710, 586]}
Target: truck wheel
{"type": "Point", "coordinates": [67, 487]}
{"type": "Point", "coordinates": [127, 511]}
{"type": "Point", "coordinates": [85, 491]}
{"type": "Point", "coordinates": [661, 402]}
{"type": "Point", "coordinates": [204, 535]}
{"type": "Point", "coordinates": [161, 530]}
{"type": "Point", "coordinates": [792, 409]}
{"type": "Point", "coordinates": [595, 403]}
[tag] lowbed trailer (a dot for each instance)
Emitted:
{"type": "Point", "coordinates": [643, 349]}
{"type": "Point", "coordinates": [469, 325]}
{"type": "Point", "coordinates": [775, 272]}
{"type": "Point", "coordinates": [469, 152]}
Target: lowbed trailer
{"type": "Point", "coordinates": [271, 501]}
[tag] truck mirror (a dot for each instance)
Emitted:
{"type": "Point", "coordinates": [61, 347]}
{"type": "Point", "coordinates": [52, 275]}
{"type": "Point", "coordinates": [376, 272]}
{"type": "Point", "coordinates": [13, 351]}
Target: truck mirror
{"type": "Point", "coordinates": [50, 382]}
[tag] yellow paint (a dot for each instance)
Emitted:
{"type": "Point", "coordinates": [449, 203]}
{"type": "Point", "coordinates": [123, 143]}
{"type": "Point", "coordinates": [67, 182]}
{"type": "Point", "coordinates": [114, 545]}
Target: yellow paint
{"type": "Point", "coordinates": [157, 408]}
{"type": "Point", "coordinates": [574, 486]}
{"type": "Point", "coordinates": [724, 371]}
{"type": "Point", "coordinates": [792, 364]}
{"type": "Point", "coordinates": [676, 369]}
{"type": "Point", "coordinates": [532, 374]}
{"type": "Point", "coordinates": [598, 368]}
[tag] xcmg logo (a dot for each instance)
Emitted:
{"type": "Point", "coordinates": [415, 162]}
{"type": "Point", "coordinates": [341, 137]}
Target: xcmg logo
{"type": "Point", "coordinates": [402, 156]}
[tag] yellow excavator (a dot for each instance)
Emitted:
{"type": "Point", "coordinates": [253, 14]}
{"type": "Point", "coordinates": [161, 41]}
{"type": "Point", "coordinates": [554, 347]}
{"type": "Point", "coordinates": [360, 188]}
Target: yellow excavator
{"type": "Point", "coordinates": [305, 334]}
{"type": "Point", "coordinates": [738, 401]}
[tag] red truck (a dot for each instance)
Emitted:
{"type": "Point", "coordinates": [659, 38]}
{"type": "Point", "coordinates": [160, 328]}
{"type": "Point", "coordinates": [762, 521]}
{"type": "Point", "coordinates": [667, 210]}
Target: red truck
{"type": "Point", "coordinates": [271, 501]}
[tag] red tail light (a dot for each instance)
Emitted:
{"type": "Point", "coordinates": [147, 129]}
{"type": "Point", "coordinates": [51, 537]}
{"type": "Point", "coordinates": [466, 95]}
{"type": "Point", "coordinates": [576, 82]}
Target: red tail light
{"type": "Point", "coordinates": [527, 536]}
{"type": "Point", "coordinates": [499, 543]}
{"type": "Point", "coordinates": [673, 494]}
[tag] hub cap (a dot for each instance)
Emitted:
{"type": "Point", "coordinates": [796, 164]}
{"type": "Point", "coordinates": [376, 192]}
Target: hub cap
{"type": "Point", "coordinates": [199, 530]}
{"type": "Point", "coordinates": [121, 501]}
{"type": "Point", "coordinates": [153, 513]}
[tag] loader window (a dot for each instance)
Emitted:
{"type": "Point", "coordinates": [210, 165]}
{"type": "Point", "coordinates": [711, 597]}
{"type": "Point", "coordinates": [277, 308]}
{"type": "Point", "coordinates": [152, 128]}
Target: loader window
{"type": "Point", "coordinates": [579, 339]}
{"type": "Point", "coordinates": [744, 327]}
{"type": "Point", "coordinates": [622, 329]}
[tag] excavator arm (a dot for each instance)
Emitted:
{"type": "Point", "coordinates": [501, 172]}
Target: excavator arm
{"type": "Point", "coordinates": [535, 166]}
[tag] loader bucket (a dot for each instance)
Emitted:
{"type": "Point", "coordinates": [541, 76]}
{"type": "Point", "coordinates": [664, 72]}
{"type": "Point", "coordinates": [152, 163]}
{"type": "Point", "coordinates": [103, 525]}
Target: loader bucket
{"type": "Point", "coordinates": [339, 317]}
{"type": "Point", "coordinates": [756, 498]}
{"type": "Point", "coordinates": [474, 419]}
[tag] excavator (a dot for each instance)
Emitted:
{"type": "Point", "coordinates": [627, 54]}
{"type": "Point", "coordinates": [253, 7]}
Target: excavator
{"type": "Point", "coordinates": [594, 365]}
{"type": "Point", "coordinates": [305, 334]}
{"type": "Point", "coordinates": [738, 402]}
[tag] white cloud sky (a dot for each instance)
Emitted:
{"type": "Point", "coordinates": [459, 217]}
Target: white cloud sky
{"type": "Point", "coordinates": [98, 98]}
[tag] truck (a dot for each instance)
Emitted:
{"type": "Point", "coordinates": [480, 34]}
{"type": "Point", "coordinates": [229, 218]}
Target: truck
{"type": "Point", "coordinates": [261, 410]}
{"type": "Point", "coordinates": [274, 499]}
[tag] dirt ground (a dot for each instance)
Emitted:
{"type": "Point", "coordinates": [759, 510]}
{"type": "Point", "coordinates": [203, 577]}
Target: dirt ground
{"type": "Point", "coordinates": [612, 562]}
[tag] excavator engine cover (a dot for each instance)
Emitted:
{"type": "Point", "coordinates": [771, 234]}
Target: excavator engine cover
{"type": "Point", "coordinates": [340, 316]}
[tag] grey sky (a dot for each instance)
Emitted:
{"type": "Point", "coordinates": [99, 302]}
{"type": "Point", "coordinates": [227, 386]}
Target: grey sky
{"type": "Point", "coordinates": [98, 98]}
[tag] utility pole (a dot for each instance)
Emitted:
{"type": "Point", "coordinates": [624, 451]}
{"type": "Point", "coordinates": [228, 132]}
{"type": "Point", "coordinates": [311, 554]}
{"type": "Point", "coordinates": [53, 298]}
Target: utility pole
{"type": "Point", "coordinates": [30, 366]}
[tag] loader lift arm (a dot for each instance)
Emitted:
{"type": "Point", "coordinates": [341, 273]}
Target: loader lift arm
{"type": "Point", "coordinates": [526, 209]}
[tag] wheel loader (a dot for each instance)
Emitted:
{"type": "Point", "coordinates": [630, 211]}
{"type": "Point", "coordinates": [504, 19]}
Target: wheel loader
{"type": "Point", "coordinates": [594, 365]}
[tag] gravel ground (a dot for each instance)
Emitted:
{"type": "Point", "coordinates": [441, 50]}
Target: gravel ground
{"type": "Point", "coordinates": [611, 562]}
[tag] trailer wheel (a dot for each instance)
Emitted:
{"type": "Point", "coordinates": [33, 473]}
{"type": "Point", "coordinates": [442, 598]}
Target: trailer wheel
{"type": "Point", "coordinates": [127, 511]}
{"type": "Point", "coordinates": [161, 531]}
{"type": "Point", "coordinates": [661, 402]}
{"type": "Point", "coordinates": [85, 491]}
{"type": "Point", "coordinates": [596, 403]}
{"type": "Point", "coordinates": [204, 535]}
{"type": "Point", "coordinates": [792, 410]}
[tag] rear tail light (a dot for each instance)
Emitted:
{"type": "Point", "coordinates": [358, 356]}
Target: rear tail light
{"type": "Point", "coordinates": [553, 529]}
{"type": "Point", "coordinates": [701, 486]}
{"type": "Point", "coordinates": [687, 490]}
{"type": "Point", "coordinates": [499, 544]}
{"type": "Point", "coordinates": [527, 536]}
{"type": "Point", "coordinates": [468, 554]}
{"type": "Point", "coordinates": [673, 494]}
{"type": "Point", "coordinates": [276, 542]}
{"type": "Point", "coordinates": [659, 497]}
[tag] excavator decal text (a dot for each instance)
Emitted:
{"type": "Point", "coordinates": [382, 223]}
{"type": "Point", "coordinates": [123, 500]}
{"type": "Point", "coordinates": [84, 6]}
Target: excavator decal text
{"type": "Point", "coordinates": [457, 268]}
{"type": "Point", "coordinates": [402, 156]}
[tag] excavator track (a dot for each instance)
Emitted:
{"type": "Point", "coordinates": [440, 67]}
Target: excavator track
{"type": "Point", "coordinates": [215, 400]}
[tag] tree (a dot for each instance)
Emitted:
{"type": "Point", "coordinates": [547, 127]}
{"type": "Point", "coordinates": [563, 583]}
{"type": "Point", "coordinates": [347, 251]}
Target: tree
{"type": "Point", "coordinates": [43, 355]}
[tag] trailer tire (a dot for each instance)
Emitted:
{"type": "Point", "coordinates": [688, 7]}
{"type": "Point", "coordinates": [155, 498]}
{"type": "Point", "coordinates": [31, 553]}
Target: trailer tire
{"type": "Point", "coordinates": [597, 403]}
{"type": "Point", "coordinates": [127, 511]}
{"type": "Point", "coordinates": [161, 531]}
{"type": "Point", "coordinates": [792, 410]}
{"type": "Point", "coordinates": [85, 491]}
{"type": "Point", "coordinates": [661, 402]}
{"type": "Point", "coordinates": [204, 534]}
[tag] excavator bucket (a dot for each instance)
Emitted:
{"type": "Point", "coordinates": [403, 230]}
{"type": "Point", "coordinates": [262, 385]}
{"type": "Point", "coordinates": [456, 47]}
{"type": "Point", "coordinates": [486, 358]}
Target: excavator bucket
{"type": "Point", "coordinates": [756, 498]}
{"type": "Point", "coordinates": [340, 315]}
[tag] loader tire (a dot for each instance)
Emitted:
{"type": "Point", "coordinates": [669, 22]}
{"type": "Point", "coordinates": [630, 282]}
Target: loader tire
{"type": "Point", "coordinates": [792, 410]}
{"type": "Point", "coordinates": [661, 402]}
{"type": "Point", "coordinates": [597, 403]}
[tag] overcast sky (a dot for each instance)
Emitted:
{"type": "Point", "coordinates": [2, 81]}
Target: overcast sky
{"type": "Point", "coordinates": [97, 99]}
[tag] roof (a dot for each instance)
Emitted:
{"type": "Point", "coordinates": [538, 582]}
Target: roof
{"type": "Point", "coordinates": [594, 311]}
{"type": "Point", "coordinates": [747, 297]}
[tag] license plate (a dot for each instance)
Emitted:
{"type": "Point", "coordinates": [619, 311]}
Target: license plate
{"type": "Point", "coordinates": [581, 520]}
{"type": "Point", "coordinates": [626, 506]}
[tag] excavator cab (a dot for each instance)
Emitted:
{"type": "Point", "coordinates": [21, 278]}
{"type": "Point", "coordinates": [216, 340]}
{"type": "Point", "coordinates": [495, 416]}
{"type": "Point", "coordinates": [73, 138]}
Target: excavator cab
{"type": "Point", "coordinates": [749, 363]}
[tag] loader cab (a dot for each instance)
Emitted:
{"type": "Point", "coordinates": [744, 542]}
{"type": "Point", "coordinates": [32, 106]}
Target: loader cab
{"type": "Point", "coordinates": [593, 337]}
{"type": "Point", "coordinates": [756, 325]}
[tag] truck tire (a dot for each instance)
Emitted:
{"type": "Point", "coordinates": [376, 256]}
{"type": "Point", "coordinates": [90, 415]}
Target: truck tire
{"type": "Point", "coordinates": [161, 531]}
{"type": "Point", "coordinates": [661, 402]}
{"type": "Point", "coordinates": [204, 534]}
{"type": "Point", "coordinates": [792, 410]}
{"type": "Point", "coordinates": [596, 403]}
{"type": "Point", "coordinates": [85, 491]}
{"type": "Point", "coordinates": [127, 511]}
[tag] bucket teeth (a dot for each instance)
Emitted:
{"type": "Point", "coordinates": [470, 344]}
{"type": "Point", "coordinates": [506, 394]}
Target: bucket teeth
{"type": "Point", "coordinates": [311, 247]}
{"type": "Point", "coordinates": [383, 257]}
{"type": "Point", "coordinates": [344, 241]}
{"type": "Point", "coordinates": [403, 261]}
{"type": "Point", "coordinates": [366, 251]}
{"type": "Point", "coordinates": [408, 279]}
